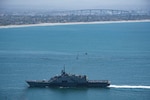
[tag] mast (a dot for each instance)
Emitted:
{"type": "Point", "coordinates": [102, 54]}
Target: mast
{"type": "Point", "coordinates": [64, 68]}
{"type": "Point", "coordinates": [63, 71]}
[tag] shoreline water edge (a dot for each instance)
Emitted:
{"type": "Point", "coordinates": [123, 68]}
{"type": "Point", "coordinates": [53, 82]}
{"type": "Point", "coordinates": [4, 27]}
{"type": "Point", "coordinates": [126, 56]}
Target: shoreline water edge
{"type": "Point", "coordinates": [72, 23]}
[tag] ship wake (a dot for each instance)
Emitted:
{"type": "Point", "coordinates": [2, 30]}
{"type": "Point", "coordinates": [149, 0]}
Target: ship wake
{"type": "Point", "coordinates": [130, 86]}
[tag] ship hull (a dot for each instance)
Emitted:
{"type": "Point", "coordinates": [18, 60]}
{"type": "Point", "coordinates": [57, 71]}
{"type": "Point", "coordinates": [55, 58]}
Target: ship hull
{"type": "Point", "coordinates": [98, 84]}
{"type": "Point", "coordinates": [87, 84]}
{"type": "Point", "coordinates": [38, 83]}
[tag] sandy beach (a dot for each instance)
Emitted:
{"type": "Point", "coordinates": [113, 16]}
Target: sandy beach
{"type": "Point", "coordinates": [71, 23]}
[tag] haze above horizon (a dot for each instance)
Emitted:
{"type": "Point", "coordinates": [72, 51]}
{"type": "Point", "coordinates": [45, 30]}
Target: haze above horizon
{"type": "Point", "coordinates": [75, 5]}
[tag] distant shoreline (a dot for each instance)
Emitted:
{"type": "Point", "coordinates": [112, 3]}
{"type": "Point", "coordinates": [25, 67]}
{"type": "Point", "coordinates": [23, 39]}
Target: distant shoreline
{"type": "Point", "coordinates": [72, 23]}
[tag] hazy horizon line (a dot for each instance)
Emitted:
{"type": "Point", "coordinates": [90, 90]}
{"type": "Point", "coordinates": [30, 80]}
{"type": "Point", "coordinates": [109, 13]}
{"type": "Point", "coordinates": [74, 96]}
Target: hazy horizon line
{"type": "Point", "coordinates": [48, 9]}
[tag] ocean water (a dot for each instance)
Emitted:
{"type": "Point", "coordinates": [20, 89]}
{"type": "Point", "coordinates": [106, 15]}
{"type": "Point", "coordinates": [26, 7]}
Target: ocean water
{"type": "Point", "coordinates": [119, 52]}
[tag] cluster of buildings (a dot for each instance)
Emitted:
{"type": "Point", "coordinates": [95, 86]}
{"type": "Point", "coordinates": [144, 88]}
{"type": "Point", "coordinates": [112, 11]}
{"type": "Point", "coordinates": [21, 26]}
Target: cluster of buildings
{"type": "Point", "coordinates": [87, 15]}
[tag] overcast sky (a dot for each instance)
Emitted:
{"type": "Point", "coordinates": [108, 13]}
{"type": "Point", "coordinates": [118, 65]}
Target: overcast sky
{"type": "Point", "coordinates": [78, 4]}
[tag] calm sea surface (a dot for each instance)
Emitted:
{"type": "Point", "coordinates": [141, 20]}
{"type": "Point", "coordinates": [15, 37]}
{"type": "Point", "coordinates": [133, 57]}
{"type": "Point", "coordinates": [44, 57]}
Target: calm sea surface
{"type": "Point", "coordinates": [117, 52]}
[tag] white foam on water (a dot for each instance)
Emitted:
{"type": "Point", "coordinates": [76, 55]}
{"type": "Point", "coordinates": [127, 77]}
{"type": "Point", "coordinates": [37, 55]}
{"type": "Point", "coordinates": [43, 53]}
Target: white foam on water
{"type": "Point", "coordinates": [130, 86]}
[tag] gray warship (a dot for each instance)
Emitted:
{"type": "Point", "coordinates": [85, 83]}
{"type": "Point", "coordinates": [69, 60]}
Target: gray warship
{"type": "Point", "coordinates": [68, 80]}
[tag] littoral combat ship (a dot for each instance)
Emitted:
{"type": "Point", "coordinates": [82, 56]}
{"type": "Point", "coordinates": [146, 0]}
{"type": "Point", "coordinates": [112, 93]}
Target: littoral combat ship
{"type": "Point", "coordinates": [68, 80]}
